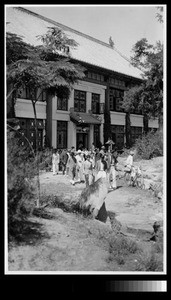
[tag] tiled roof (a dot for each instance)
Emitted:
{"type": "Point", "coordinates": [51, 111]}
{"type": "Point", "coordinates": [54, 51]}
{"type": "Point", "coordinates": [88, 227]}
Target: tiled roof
{"type": "Point", "coordinates": [90, 50]}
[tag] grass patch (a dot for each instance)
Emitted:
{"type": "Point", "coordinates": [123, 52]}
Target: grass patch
{"type": "Point", "coordinates": [149, 261]}
{"type": "Point", "coordinates": [120, 247]}
{"type": "Point", "coordinates": [67, 204]}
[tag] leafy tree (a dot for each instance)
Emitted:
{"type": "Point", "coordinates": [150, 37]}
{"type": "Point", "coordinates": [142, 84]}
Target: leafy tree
{"type": "Point", "coordinates": [45, 67]}
{"type": "Point", "coordinates": [148, 97]}
{"type": "Point", "coordinates": [159, 15]}
{"type": "Point", "coordinates": [130, 103]}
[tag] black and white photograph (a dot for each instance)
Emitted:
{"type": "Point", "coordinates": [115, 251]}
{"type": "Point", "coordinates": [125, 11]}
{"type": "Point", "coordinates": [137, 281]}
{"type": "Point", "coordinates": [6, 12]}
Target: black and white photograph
{"type": "Point", "coordinates": [85, 139]}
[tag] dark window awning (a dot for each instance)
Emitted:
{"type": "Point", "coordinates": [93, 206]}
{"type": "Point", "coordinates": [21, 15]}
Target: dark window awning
{"type": "Point", "coordinates": [83, 118]}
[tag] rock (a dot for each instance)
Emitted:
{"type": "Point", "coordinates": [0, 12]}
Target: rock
{"type": "Point", "coordinates": [92, 199]}
{"type": "Point", "coordinates": [160, 195]}
{"type": "Point", "coordinates": [148, 183]}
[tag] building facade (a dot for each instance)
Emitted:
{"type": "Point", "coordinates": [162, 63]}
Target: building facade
{"type": "Point", "coordinates": [79, 119]}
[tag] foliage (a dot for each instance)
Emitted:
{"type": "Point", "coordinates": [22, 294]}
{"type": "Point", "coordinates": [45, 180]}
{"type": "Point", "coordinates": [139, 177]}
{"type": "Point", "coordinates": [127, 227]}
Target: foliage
{"type": "Point", "coordinates": [150, 94]}
{"type": "Point", "coordinates": [159, 15]}
{"type": "Point", "coordinates": [150, 145]}
{"type": "Point", "coordinates": [42, 66]}
{"type": "Point", "coordinates": [149, 262]}
{"type": "Point", "coordinates": [66, 204]}
{"type": "Point", "coordinates": [20, 172]}
{"type": "Point", "coordinates": [120, 247]}
{"type": "Point", "coordinates": [45, 159]}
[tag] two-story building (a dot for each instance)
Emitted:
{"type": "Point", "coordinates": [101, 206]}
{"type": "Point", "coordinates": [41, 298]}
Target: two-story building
{"type": "Point", "coordinates": [67, 122]}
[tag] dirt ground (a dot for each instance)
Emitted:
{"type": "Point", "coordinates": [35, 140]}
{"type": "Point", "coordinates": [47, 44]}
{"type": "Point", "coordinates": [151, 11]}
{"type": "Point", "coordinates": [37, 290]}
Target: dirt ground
{"type": "Point", "coordinates": [69, 242]}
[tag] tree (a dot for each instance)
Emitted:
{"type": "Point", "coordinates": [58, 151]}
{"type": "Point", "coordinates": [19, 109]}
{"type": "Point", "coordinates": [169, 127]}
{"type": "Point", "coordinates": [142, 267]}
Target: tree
{"type": "Point", "coordinates": [150, 59]}
{"type": "Point", "coordinates": [130, 103]}
{"type": "Point", "coordinates": [159, 16]}
{"type": "Point", "coordinates": [46, 67]}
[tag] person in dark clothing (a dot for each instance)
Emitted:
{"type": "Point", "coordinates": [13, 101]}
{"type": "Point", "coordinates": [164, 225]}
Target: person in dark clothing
{"type": "Point", "coordinates": [64, 158]}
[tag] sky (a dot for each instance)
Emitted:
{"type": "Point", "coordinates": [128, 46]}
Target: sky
{"type": "Point", "coordinates": [125, 24]}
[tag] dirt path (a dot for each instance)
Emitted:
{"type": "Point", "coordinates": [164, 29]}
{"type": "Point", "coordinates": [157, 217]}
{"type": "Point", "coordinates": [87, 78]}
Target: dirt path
{"type": "Point", "coordinates": [70, 242]}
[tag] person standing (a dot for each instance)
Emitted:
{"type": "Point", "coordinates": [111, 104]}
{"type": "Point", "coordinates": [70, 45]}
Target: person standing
{"type": "Point", "coordinates": [79, 168]}
{"type": "Point", "coordinates": [87, 170]}
{"type": "Point", "coordinates": [92, 147]}
{"type": "Point", "coordinates": [55, 162]}
{"type": "Point", "coordinates": [72, 163]}
{"type": "Point", "coordinates": [67, 165]}
{"type": "Point", "coordinates": [129, 162]}
{"type": "Point", "coordinates": [64, 158]}
{"type": "Point", "coordinates": [112, 171]}
{"type": "Point", "coordinates": [101, 167]}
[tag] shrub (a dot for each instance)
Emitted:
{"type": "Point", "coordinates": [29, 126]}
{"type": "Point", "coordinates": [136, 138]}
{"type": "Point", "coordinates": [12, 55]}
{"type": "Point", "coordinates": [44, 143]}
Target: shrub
{"type": "Point", "coordinates": [45, 159]}
{"type": "Point", "coordinates": [150, 145]}
{"type": "Point", "coordinates": [20, 186]}
{"type": "Point", "coordinates": [149, 262]}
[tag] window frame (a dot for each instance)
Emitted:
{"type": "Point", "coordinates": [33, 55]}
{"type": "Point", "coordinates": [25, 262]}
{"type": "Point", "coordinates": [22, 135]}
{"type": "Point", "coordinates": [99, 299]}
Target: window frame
{"type": "Point", "coordinates": [96, 101]}
{"type": "Point", "coordinates": [60, 104]}
{"type": "Point", "coordinates": [80, 100]}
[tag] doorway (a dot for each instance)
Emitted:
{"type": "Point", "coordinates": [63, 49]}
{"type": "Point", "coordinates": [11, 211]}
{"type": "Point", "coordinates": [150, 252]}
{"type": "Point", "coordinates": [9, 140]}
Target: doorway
{"type": "Point", "coordinates": [82, 138]}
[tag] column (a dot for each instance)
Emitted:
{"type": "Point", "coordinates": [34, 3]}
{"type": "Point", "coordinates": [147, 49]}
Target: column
{"type": "Point", "coordinates": [101, 133]}
{"type": "Point", "coordinates": [91, 136]}
{"type": "Point", "coordinates": [54, 133]}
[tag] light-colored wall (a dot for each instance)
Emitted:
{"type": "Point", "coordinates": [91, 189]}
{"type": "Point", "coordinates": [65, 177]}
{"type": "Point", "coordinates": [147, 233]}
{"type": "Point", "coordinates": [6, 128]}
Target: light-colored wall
{"type": "Point", "coordinates": [64, 115]}
{"type": "Point", "coordinates": [24, 109]}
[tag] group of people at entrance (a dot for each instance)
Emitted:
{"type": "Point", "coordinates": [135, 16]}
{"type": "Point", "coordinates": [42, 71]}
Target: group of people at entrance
{"type": "Point", "coordinates": [87, 166]}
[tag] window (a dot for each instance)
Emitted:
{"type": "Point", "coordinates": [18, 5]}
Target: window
{"type": "Point", "coordinates": [117, 82]}
{"type": "Point", "coordinates": [136, 132]}
{"type": "Point", "coordinates": [116, 99]}
{"type": "Point", "coordinates": [26, 93]}
{"type": "Point", "coordinates": [79, 101]}
{"type": "Point", "coordinates": [62, 104]}
{"type": "Point", "coordinates": [118, 135]}
{"type": "Point", "coordinates": [62, 134]}
{"type": "Point", "coordinates": [27, 128]}
{"type": "Point", "coordinates": [95, 76]}
{"type": "Point", "coordinates": [95, 104]}
{"type": "Point", "coordinates": [41, 96]}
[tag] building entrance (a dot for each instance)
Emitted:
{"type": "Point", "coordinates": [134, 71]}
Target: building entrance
{"type": "Point", "coordinates": [82, 140]}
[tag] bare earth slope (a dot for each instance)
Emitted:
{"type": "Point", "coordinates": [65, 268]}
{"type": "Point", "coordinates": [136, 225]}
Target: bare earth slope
{"type": "Point", "coordinates": [70, 242]}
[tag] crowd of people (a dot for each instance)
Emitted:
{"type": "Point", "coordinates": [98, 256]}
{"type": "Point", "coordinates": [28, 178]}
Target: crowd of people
{"type": "Point", "coordinates": [86, 165]}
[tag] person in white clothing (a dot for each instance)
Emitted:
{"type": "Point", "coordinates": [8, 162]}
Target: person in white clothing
{"type": "Point", "coordinates": [129, 162]}
{"type": "Point", "coordinates": [101, 167]}
{"type": "Point", "coordinates": [55, 162]}
{"type": "Point", "coordinates": [112, 171]}
{"type": "Point", "coordinates": [87, 170]}
{"type": "Point", "coordinates": [79, 168]}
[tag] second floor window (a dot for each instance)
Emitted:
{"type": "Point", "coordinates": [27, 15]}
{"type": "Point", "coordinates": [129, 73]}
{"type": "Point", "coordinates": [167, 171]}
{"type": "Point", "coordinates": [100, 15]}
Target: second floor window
{"type": "Point", "coordinates": [79, 101]}
{"type": "Point", "coordinates": [116, 98]}
{"type": "Point", "coordinates": [62, 104]}
{"type": "Point", "coordinates": [26, 93]}
{"type": "Point", "coordinates": [95, 104]}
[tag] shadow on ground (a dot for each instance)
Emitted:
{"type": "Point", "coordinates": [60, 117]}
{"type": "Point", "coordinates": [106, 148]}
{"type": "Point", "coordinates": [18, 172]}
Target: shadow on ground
{"type": "Point", "coordinates": [27, 232]}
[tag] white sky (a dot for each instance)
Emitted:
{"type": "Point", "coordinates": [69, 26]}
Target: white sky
{"type": "Point", "coordinates": [125, 24]}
